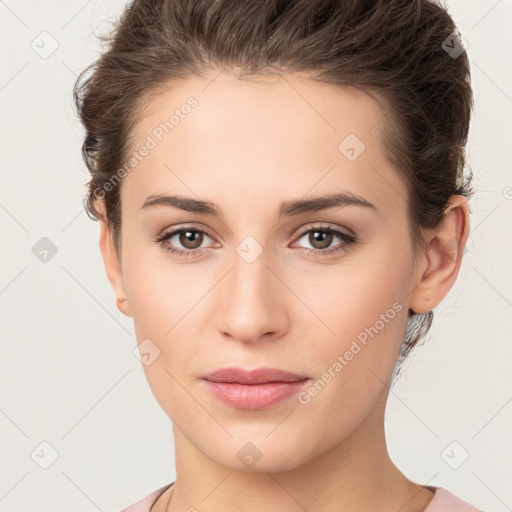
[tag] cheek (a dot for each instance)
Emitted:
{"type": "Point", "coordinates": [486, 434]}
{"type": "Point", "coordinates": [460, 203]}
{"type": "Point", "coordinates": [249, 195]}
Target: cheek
{"type": "Point", "coordinates": [161, 293]}
{"type": "Point", "coordinates": [352, 365]}
{"type": "Point", "coordinates": [169, 304]}
{"type": "Point", "coordinates": [351, 296]}
{"type": "Point", "coordinates": [360, 317]}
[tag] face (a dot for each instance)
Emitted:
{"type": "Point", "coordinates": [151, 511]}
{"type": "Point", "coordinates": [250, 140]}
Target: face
{"type": "Point", "coordinates": [320, 292]}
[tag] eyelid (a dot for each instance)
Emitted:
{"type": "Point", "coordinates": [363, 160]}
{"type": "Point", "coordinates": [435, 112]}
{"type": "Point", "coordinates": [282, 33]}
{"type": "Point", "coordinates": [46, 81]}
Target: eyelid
{"type": "Point", "coordinates": [302, 231]}
{"type": "Point", "coordinates": [167, 232]}
{"type": "Point", "coordinates": [326, 226]}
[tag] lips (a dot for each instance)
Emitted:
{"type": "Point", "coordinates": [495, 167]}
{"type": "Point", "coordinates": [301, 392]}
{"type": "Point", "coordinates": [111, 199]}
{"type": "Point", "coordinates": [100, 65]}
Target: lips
{"type": "Point", "coordinates": [253, 377]}
{"type": "Point", "coordinates": [253, 389]}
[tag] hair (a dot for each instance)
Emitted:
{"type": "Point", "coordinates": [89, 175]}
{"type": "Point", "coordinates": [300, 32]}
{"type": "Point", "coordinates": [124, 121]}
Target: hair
{"type": "Point", "coordinates": [393, 50]}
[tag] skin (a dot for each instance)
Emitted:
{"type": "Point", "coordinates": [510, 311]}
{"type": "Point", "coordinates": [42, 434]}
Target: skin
{"type": "Point", "coordinates": [247, 147]}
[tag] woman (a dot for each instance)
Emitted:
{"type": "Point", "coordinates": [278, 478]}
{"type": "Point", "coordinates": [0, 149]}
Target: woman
{"type": "Point", "coordinates": [282, 204]}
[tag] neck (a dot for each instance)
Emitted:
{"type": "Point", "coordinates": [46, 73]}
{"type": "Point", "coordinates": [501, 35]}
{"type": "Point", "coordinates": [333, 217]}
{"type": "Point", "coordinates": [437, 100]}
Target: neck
{"type": "Point", "coordinates": [356, 474]}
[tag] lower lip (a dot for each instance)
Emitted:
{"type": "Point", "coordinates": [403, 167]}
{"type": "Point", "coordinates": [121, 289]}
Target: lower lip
{"type": "Point", "coordinates": [254, 396]}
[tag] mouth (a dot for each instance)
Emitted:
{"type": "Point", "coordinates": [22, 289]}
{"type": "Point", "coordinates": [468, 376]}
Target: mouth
{"type": "Point", "coordinates": [254, 389]}
{"type": "Point", "coordinates": [256, 376]}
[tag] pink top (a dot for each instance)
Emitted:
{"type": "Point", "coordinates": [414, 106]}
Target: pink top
{"type": "Point", "coordinates": [443, 501]}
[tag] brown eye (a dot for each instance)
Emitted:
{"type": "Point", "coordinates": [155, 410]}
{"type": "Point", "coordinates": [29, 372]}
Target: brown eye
{"type": "Point", "coordinates": [191, 238]}
{"type": "Point", "coordinates": [184, 241]}
{"type": "Point", "coordinates": [320, 239]}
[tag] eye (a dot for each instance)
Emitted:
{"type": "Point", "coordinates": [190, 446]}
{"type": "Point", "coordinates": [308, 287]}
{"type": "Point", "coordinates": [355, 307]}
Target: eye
{"type": "Point", "coordinates": [321, 238]}
{"type": "Point", "coordinates": [191, 239]}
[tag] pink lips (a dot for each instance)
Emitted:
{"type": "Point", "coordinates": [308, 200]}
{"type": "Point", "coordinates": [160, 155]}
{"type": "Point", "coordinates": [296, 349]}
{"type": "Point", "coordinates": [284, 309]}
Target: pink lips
{"type": "Point", "coordinates": [255, 389]}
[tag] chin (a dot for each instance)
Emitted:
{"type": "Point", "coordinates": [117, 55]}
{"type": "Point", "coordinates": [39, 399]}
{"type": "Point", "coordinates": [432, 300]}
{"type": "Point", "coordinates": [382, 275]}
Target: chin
{"type": "Point", "coordinates": [259, 453]}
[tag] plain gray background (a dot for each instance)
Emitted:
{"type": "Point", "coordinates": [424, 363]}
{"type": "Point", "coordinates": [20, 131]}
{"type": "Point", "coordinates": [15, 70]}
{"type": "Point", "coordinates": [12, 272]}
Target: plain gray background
{"type": "Point", "coordinates": [71, 388]}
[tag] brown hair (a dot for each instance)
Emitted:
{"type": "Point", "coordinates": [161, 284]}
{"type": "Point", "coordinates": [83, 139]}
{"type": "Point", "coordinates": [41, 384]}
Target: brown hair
{"type": "Point", "coordinates": [397, 50]}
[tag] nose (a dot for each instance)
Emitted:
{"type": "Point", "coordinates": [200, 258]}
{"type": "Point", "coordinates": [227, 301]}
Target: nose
{"type": "Point", "coordinates": [252, 302]}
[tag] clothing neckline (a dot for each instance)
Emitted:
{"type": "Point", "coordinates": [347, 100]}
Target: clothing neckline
{"type": "Point", "coordinates": [429, 506]}
{"type": "Point", "coordinates": [159, 494]}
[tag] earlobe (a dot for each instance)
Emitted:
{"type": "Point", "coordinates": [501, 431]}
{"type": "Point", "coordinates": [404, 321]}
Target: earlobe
{"type": "Point", "coordinates": [113, 267]}
{"type": "Point", "coordinates": [443, 257]}
{"type": "Point", "coordinates": [123, 305]}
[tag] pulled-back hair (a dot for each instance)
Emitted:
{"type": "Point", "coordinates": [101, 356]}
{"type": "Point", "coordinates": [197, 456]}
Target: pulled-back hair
{"type": "Point", "coordinates": [399, 51]}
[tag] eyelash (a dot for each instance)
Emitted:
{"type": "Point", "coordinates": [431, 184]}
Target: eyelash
{"type": "Point", "coordinates": [345, 237]}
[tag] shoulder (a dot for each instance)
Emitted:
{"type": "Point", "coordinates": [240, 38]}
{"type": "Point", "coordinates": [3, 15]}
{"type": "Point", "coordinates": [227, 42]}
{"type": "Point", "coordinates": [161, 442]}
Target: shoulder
{"type": "Point", "coordinates": [445, 501]}
{"type": "Point", "coordinates": [144, 505]}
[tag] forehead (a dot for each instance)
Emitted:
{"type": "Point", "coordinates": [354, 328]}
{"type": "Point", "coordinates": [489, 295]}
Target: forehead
{"type": "Point", "coordinates": [284, 133]}
{"type": "Point", "coordinates": [286, 105]}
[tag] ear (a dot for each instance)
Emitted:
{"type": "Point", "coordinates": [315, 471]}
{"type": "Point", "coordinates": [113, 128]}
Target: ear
{"type": "Point", "coordinates": [111, 262]}
{"type": "Point", "coordinates": [441, 262]}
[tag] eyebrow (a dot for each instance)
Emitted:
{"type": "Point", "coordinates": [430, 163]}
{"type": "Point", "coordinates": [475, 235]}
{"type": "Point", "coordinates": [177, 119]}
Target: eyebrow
{"type": "Point", "coordinates": [287, 208]}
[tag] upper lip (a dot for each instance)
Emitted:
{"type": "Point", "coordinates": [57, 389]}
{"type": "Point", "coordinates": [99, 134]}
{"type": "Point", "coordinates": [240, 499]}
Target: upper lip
{"type": "Point", "coordinates": [256, 376]}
